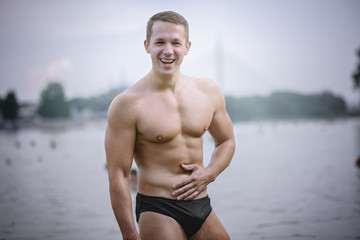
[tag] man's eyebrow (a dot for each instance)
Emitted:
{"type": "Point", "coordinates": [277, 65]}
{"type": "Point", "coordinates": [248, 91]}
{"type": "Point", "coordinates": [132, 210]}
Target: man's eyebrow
{"type": "Point", "coordinates": [172, 40]}
{"type": "Point", "coordinates": [159, 39]}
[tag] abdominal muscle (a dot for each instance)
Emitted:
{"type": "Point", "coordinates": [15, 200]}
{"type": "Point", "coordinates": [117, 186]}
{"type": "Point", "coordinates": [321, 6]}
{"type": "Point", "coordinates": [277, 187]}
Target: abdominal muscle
{"type": "Point", "coordinates": [160, 167]}
{"type": "Point", "coordinates": [160, 185]}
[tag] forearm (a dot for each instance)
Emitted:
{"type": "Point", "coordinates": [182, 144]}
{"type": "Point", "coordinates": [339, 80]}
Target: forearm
{"type": "Point", "coordinates": [221, 158]}
{"type": "Point", "coordinates": [122, 206]}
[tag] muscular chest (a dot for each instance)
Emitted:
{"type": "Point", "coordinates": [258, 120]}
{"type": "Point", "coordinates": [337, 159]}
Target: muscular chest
{"type": "Point", "coordinates": [162, 117]}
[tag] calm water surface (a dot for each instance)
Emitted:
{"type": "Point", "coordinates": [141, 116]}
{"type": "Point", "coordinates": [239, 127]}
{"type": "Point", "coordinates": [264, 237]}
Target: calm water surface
{"type": "Point", "coordinates": [288, 180]}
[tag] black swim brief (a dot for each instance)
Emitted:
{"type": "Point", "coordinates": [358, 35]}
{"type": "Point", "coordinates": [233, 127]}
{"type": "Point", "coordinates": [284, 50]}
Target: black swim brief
{"type": "Point", "coordinates": [189, 214]}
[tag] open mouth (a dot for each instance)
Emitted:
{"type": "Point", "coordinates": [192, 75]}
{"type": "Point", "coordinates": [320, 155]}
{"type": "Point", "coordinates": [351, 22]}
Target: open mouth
{"type": "Point", "coordinates": [167, 61]}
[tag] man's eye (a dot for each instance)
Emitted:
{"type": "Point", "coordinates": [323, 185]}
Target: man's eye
{"type": "Point", "coordinates": [177, 43]}
{"type": "Point", "coordinates": [158, 43]}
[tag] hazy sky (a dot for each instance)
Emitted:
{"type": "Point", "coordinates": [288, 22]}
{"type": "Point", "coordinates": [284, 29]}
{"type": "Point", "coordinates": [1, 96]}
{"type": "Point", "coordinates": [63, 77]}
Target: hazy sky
{"type": "Point", "coordinates": [248, 47]}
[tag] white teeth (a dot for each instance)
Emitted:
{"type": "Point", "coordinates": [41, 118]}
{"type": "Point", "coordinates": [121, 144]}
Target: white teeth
{"type": "Point", "coordinates": [167, 61]}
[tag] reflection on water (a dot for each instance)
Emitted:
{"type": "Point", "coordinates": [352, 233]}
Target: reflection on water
{"type": "Point", "coordinates": [288, 180]}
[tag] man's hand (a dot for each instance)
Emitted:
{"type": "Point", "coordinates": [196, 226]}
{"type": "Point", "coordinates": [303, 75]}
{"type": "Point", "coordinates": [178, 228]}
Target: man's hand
{"type": "Point", "coordinates": [192, 185]}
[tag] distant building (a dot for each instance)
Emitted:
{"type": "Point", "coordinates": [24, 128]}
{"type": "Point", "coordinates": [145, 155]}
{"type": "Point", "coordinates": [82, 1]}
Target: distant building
{"type": "Point", "coordinates": [85, 113]}
{"type": "Point", "coordinates": [28, 111]}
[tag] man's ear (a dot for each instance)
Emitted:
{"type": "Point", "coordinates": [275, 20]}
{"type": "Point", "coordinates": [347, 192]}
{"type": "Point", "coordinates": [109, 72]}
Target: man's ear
{"type": "Point", "coordinates": [188, 45]}
{"type": "Point", "coordinates": [146, 45]}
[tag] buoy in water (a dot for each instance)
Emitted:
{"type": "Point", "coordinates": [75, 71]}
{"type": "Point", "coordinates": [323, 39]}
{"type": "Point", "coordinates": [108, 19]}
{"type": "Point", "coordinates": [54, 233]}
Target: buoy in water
{"type": "Point", "coordinates": [8, 161]}
{"type": "Point", "coordinates": [53, 144]}
{"type": "Point", "coordinates": [17, 144]}
{"type": "Point", "coordinates": [358, 162]}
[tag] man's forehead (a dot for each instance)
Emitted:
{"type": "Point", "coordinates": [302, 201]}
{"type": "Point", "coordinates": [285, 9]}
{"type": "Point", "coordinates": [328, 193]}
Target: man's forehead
{"type": "Point", "coordinates": [167, 27]}
{"type": "Point", "coordinates": [165, 30]}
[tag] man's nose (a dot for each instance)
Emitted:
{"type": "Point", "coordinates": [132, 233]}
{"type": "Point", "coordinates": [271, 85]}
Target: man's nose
{"type": "Point", "coordinates": [168, 50]}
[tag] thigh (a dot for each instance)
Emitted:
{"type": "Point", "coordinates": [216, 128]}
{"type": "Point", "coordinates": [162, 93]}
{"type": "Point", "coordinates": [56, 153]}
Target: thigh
{"type": "Point", "coordinates": [159, 227]}
{"type": "Point", "coordinates": [211, 229]}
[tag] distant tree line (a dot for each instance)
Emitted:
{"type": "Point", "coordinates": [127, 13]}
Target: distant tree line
{"type": "Point", "coordinates": [285, 105]}
{"type": "Point", "coordinates": [278, 105]}
{"type": "Point", "coordinates": [54, 104]}
{"type": "Point", "coordinates": [98, 103]}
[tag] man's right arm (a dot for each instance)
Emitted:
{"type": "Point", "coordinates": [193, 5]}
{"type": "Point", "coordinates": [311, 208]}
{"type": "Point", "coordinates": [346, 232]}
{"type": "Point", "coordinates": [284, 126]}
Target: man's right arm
{"type": "Point", "coordinates": [119, 145]}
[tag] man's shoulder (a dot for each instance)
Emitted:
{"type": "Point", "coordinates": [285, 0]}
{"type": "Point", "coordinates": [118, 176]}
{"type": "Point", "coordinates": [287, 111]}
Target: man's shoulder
{"type": "Point", "coordinates": [123, 106]}
{"type": "Point", "coordinates": [211, 90]}
{"type": "Point", "coordinates": [123, 100]}
{"type": "Point", "coordinates": [207, 86]}
{"type": "Point", "coordinates": [127, 98]}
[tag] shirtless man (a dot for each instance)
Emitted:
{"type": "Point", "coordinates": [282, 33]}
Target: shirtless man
{"type": "Point", "coordinates": [159, 122]}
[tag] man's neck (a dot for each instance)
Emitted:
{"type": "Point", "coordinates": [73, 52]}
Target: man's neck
{"type": "Point", "coordinates": [164, 81]}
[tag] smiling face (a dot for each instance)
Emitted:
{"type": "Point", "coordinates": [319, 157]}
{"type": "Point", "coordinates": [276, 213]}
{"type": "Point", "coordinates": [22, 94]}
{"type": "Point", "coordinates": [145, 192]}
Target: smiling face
{"type": "Point", "coordinates": [167, 47]}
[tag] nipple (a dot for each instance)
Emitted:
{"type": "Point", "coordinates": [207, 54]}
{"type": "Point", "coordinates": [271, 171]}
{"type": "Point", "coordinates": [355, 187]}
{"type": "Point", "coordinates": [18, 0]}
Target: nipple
{"type": "Point", "coordinates": [204, 129]}
{"type": "Point", "coordinates": [160, 137]}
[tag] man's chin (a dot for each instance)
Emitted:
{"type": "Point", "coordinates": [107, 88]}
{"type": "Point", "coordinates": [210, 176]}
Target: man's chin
{"type": "Point", "coordinates": [167, 72]}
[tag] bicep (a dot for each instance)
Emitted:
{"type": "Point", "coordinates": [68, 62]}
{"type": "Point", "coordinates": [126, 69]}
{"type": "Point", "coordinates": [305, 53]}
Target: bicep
{"type": "Point", "coordinates": [119, 147]}
{"type": "Point", "coordinates": [221, 128]}
{"type": "Point", "coordinates": [120, 138]}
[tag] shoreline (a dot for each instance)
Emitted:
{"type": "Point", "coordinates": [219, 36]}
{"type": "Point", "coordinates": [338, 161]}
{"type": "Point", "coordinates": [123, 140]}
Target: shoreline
{"type": "Point", "coordinates": [68, 123]}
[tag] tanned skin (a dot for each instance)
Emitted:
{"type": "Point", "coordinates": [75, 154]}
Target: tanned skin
{"type": "Point", "coordinates": [159, 122]}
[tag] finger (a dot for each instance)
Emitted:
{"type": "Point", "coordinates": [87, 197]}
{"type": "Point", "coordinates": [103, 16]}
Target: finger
{"type": "Point", "coordinates": [186, 194]}
{"type": "Point", "coordinates": [189, 167]}
{"type": "Point", "coordinates": [183, 189]}
{"type": "Point", "coordinates": [183, 183]}
{"type": "Point", "coordinates": [193, 195]}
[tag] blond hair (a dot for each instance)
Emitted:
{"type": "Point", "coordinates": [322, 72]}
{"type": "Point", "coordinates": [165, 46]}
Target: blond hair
{"type": "Point", "coordinates": [168, 16]}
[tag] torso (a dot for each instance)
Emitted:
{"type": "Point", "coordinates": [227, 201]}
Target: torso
{"type": "Point", "coordinates": [169, 130]}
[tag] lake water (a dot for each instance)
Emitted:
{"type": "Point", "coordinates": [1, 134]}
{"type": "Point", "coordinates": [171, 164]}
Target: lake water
{"type": "Point", "coordinates": [288, 180]}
